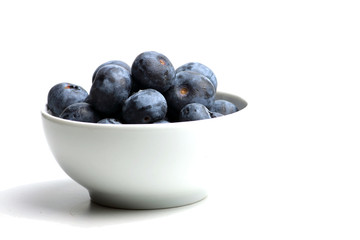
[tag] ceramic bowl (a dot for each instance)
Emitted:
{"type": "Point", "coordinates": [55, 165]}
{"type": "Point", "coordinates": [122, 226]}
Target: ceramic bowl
{"type": "Point", "coordinates": [141, 166]}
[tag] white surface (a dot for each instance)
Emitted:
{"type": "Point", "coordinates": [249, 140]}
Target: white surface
{"type": "Point", "coordinates": [295, 62]}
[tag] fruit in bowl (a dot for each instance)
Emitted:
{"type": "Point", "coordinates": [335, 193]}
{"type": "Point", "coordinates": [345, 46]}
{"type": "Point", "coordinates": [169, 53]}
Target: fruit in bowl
{"type": "Point", "coordinates": [144, 153]}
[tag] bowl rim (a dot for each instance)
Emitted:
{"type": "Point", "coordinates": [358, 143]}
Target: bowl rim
{"type": "Point", "coordinates": [219, 95]}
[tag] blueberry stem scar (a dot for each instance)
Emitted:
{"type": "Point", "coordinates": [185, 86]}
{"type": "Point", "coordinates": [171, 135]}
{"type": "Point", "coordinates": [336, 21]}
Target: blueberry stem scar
{"type": "Point", "coordinates": [184, 91]}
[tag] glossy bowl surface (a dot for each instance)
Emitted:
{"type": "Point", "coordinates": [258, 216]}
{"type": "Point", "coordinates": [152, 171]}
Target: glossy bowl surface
{"type": "Point", "coordinates": [141, 166]}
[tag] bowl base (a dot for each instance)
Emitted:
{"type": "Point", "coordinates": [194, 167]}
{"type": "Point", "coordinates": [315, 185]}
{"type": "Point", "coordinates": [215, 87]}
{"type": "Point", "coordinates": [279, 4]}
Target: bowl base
{"type": "Point", "coordinates": [145, 202]}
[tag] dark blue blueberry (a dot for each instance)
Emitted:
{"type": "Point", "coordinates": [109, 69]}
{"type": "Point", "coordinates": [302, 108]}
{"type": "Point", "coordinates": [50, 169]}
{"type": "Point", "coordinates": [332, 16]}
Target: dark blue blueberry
{"type": "Point", "coordinates": [215, 114]}
{"type": "Point", "coordinates": [161, 121]}
{"type": "Point", "coordinates": [224, 107]}
{"type": "Point", "coordinates": [199, 68]}
{"type": "Point", "coordinates": [109, 121]}
{"type": "Point", "coordinates": [81, 112]}
{"type": "Point", "coordinates": [114, 62]}
{"type": "Point", "coordinates": [193, 112]}
{"type": "Point", "coordinates": [110, 89]}
{"type": "Point", "coordinates": [144, 106]}
{"type": "Point", "coordinates": [64, 94]}
{"type": "Point", "coordinates": [190, 87]}
{"type": "Point", "coordinates": [153, 70]}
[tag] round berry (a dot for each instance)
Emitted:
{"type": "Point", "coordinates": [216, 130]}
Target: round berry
{"type": "Point", "coordinates": [153, 70]}
{"type": "Point", "coordinates": [110, 89]}
{"type": "Point", "coordinates": [193, 112]}
{"type": "Point", "coordinates": [144, 106]}
{"type": "Point", "coordinates": [224, 107]}
{"type": "Point", "coordinates": [64, 94]}
{"type": "Point", "coordinates": [109, 121]}
{"type": "Point", "coordinates": [82, 112]}
{"type": "Point", "coordinates": [190, 87]}
{"type": "Point", "coordinates": [114, 62]}
{"type": "Point", "coordinates": [199, 68]}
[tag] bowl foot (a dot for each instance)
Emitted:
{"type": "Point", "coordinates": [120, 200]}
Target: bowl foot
{"type": "Point", "coordinates": [145, 202]}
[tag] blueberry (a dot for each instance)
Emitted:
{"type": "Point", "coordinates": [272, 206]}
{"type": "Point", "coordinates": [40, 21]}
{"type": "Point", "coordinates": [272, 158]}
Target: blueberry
{"type": "Point", "coordinates": [64, 94]}
{"type": "Point", "coordinates": [109, 121]}
{"type": "Point", "coordinates": [190, 87]}
{"type": "Point", "coordinates": [215, 114]}
{"type": "Point", "coordinates": [199, 68]}
{"type": "Point", "coordinates": [224, 107]}
{"type": "Point", "coordinates": [114, 62]}
{"type": "Point", "coordinates": [161, 121]}
{"type": "Point", "coordinates": [82, 112]}
{"type": "Point", "coordinates": [193, 112]}
{"type": "Point", "coordinates": [153, 70]}
{"type": "Point", "coordinates": [144, 106]}
{"type": "Point", "coordinates": [110, 89]}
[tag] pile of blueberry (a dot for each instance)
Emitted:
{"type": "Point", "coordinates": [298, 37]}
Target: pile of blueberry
{"type": "Point", "coordinates": [150, 91]}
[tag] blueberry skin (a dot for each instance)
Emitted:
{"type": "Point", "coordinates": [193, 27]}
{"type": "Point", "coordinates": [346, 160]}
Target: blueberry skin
{"type": "Point", "coordinates": [64, 94]}
{"type": "Point", "coordinates": [81, 112]}
{"type": "Point", "coordinates": [194, 112]}
{"type": "Point", "coordinates": [161, 121]}
{"type": "Point", "coordinates": [144, 106]}
{"type": "Point", "coordinates": [190, 87]}
{"type": "Point", "coordinates": [224, 107]}
{"type": "Point", "coordinates": [109, 121]}
{"type": "Point", "coordinates": [153, 70]}
{"type": "Point", "coordinates": [114, 62]}
{"type": "Point", "coordinates": [110, 89]}
{"type": "Point", "coordinates": [199, 68]}
{"type": "Point", "coordinates": [215, 114]}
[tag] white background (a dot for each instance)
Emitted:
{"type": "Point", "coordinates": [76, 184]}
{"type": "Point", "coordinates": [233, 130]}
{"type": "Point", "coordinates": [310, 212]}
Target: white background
{"type": "Point", "coordinates": [297, 172]}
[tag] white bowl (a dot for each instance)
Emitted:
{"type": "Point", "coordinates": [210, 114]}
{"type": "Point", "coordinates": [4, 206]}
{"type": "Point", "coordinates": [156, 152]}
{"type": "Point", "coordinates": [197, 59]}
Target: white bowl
{"type": "Point", "coordinates": [140, 166]}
